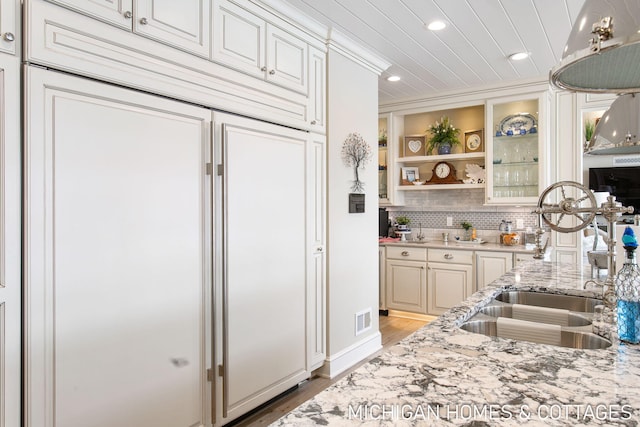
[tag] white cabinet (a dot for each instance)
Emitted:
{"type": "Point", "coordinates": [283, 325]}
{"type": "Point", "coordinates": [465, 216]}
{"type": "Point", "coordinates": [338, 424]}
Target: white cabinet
{"type": "Point", "coordinates": [316, 237]}
{"type": "Point", "coordinates": [9, 30]}
{"type": "Point", "coordinates": [317, 89]}
{"type": "Point", "coordinates": [517, 136]}
{"type": "Point", "coordinates": [450, 279]}
{"type": "Point", "coordinates": [118, 256]}
{"type": "Point", "coordinates": [382, 291]}
{"type": "Point", "coordinates": [520, 257]}
{"type": "Point", "coordinates": [246, 42]}
{"type": "Point", "coordinates": [271, 295]}
{"type": "Point", "coordinates": [491, 265]}
{"type": "Point", "coordinates": [10, 242]}
{"type": "Point", "coordinates": [406, 279]}
{"type": "Point", "coordinates": [184, 25]}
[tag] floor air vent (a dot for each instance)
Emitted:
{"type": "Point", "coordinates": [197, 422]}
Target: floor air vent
{"type": "Point", "coordinates": [363, 321]}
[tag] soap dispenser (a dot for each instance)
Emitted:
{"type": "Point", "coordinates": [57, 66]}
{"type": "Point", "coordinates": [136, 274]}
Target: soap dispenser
{"type": "Point", "coordinates": [627, 288]}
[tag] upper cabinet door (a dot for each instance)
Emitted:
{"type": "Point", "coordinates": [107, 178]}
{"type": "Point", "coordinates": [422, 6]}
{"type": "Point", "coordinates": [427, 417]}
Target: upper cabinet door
{"type": "Point", "coordinates": [238, 39]}
{"type": "Point", "coordinates": [516, 149]}
{"type": "Point", "coordinates": [286, 59]}
{"type": "Point", "coordinates": [114, 12]}
{"type": "Point", "coordinates": [8, 30]}
{"type": "Point", "coordinates": [182, 24]}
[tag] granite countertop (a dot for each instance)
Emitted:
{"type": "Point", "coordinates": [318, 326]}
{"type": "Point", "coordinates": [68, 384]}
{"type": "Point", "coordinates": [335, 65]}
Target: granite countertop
{"type": "Point", "coordinates": [454, 244]}
{"type": "Point", "coordinates": [443, 375]}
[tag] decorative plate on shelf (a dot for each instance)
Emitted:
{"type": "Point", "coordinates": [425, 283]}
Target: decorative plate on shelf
{"type": "Point", "coordinates": [516, 122]}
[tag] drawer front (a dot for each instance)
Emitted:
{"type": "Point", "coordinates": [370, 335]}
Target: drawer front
{"type": "Point", "coordinates": [408, 253]}
{"type": "Point", "coordinates": [451, 256]}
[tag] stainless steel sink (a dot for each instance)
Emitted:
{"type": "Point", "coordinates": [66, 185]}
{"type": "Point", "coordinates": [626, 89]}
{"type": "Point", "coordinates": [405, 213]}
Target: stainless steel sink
{"type": "Point", "coordinates": [506, 311]}
{"type": "Point", "coordinates": [482, 324]}
{"type": "Point", "coordinates": [540, 299]}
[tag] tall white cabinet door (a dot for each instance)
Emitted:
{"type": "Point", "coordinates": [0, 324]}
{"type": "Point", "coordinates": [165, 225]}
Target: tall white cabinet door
{"type": "Point", "coordinates": [114, 12]}
{"type": "Point", "coordinates": [316, 232]}
{"type": "Point", "coordinates": [10, 236]}
{"type": "Point", "coordinates": [286, 59]}
{"type": "Point", "coordinates": [182, 24]}
{"type": "Point", "coordinates": [238, 38]}
{"type": "Point", "coordinates": [264, 262]}
{"type": "Point", "coordinates": [117, 258]}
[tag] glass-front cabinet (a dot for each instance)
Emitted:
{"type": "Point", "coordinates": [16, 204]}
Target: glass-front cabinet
{"type": "Point", "coordinates": [383, 160]}
{"type": "Point", "coordinates": [516, 138]}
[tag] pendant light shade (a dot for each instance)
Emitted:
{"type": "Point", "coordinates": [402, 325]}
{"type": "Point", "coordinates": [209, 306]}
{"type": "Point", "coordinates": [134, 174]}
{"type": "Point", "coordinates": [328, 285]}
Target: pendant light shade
{"type": "Point", "coordinates": [602, 53]}
{"type": "Point", "coordinates": [618, 129]}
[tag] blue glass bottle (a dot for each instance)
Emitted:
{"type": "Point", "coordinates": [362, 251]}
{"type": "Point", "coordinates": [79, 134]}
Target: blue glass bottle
{"type": "Point", "coordinates": [627, 286]}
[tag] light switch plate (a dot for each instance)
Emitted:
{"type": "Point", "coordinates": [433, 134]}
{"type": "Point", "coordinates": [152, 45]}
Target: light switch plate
{"type": "Point", "coordinates": [449, 221]}
{"type": "Point", "coordinates": [519, 224]}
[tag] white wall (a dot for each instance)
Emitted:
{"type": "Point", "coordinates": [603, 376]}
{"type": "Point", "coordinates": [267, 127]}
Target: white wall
{"type": "Point", "coordinates": [352, 252]}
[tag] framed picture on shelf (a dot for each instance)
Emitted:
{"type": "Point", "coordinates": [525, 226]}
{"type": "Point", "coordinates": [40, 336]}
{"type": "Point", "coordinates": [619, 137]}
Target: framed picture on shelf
{"type": "Point", "coordinates": [409, 175]}
{"type": "Point", "coordinates": [474, 141]}
{"type": "Point", "coordinates": [414, 146]}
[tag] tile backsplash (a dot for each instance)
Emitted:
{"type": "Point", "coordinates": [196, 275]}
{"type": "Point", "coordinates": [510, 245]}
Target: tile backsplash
{"type": "Point", "coordinates": [430, 210]}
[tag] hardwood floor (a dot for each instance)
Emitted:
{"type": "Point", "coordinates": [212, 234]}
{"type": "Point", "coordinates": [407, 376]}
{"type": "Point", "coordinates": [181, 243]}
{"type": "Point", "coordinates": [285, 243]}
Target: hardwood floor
{"type": "Point", "coordinates": [393, 329]}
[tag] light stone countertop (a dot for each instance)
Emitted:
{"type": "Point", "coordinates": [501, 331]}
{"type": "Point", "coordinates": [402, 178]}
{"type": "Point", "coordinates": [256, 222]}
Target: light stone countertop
{"type": "Point", "coordinates": [443, 375]}
{"type": "Point", "coordinates": [454, 244]}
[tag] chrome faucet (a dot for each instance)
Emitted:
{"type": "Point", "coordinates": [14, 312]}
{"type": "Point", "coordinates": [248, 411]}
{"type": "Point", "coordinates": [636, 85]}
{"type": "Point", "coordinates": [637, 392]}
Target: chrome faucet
{"type": "Point", "coordinates": [539, 251]}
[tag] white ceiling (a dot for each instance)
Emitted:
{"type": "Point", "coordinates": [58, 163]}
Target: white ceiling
{"type": "Point", "coordinates": [470, 52]}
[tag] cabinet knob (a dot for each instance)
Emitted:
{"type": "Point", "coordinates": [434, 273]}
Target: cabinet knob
{"type": "Point", "coordinates": [404, 253]}
{"type": "Point", "coordinates": [263, 69]}
{"type": "Point", "coordinates": [128, 14]}
{"type": "Point", "coordinates": [448, 256]}
{"type": "Point", "coordinates": [272, 72]}
{"type": "Point", "coordinates": [8, 37]}
{"type": "Point", "coordinates": [313, 122]}
{"type": "Point", "coordinates": [143, 21]}
{"type": "Point", "coordinates": [319, 249]}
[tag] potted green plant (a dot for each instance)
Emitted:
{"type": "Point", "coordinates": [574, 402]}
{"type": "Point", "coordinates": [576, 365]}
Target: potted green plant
{"type": "Point", "coordinates": [467, 230]}
{"type": "Point", "coordinates": [444, 136]}
{"type": "Point", "coordinates": [403, 222]}
{"type": "Point", "coordinates": [589, 128]}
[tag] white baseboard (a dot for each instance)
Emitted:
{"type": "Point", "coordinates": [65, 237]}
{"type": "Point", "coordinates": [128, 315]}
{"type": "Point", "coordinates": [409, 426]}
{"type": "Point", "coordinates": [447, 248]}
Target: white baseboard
{"type": "Point", "coordinates": [350, 356]}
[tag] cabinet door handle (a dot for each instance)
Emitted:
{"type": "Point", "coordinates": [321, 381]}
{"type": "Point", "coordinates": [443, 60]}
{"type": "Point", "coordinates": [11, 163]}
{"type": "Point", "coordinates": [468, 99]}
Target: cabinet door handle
{"type": "Point", "coordinates": [448, 256]}
{"type": "Point", "coordinates": [272, 72]}
{"type": "Point", "coordinates": [8, 37]}
{"type": "Point", "coordinates": [128, 14]}
{"type": "Point", "coordinates": [143, 21]}
{"type": "Point", "coordinates": [405, 253]}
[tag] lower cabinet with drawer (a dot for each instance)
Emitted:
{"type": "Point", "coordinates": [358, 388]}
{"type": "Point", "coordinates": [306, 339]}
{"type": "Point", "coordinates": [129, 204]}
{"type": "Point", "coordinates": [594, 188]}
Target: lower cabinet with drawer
{"type": "Point", "coordinates": [406, 274]}
{"type": "Point", "coordinates": [450, 279]}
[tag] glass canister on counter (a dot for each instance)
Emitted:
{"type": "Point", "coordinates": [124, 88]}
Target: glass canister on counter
{"type": "Point", "coordinates": [627, 287]}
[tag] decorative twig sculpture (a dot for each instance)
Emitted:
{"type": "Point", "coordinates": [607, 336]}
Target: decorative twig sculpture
{"type": "Point", "coordinates": [356, 152]}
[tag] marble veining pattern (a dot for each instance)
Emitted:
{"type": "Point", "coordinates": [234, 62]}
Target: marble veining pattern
{"type": "Point", "coordinates": [442, 375]}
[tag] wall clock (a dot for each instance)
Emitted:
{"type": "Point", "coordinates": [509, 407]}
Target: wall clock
{"type": "Point", "coordinates": [443, 173]}
{"type": "Point", "coordinates": [473, 141]}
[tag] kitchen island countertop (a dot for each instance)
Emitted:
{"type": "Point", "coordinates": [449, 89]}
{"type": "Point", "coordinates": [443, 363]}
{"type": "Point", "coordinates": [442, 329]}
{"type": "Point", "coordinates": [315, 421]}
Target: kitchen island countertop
{"type": "Point", "coordinates": [443, 375]}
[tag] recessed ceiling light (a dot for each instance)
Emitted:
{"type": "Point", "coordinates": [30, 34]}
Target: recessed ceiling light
{"type": "Point", "coordinates": [518, 56]}
{"type": "Point", "coordinates": [436, 25]}
{"type": "Point", "coordinates": [393, 78]}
